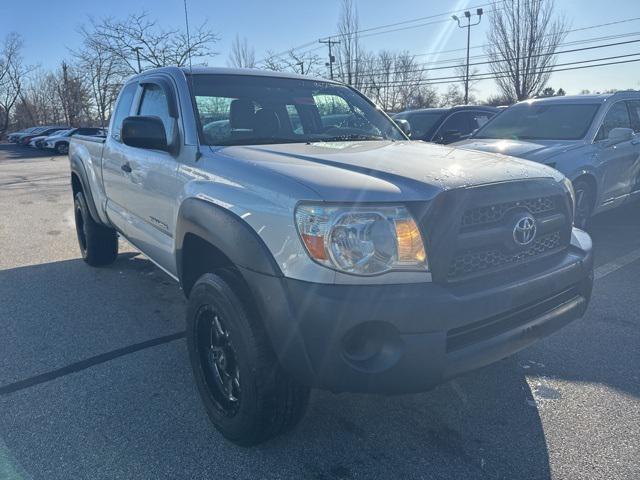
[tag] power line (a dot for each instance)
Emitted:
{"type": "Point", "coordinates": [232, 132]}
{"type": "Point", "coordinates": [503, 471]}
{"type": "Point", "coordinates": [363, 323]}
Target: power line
{"type": "Point", "coordinates": [428, 69]}
{"type": "Point", "coordinates": [493, 75]}
{"type": "Point", "coordinates": [379, 27]}
{"type": "Point", "coordinates": [581, 29]}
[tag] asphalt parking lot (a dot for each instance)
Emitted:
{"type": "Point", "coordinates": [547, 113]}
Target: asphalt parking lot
{"type": "Point", "coordinates": [95, 381]}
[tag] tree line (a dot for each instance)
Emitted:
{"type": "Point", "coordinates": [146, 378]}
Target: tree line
{"type": "Point", "coordinates": [82, 90]}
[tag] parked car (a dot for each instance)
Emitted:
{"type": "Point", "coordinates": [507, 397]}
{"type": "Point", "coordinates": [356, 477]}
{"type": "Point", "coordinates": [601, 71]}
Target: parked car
{"type": "Point", "coordinates": [593, 139]}
{"type": "Point", "coordinates": [446, 125]}
{"type": "Point", "coordinates": [14, 135]}
{"type": "Point", "coordinates": [344, 258]}
{"type": "Point", "coordinates": [60, 141]}
{"type": "Point", "coordinates": [17, 137]}
{"type": "Point", "coordinates": [26, 139]}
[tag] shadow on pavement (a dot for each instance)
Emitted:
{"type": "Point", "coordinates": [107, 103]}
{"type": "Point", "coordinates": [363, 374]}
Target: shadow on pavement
{"type": "Point", "coordinates": [139, 415]}
{"type": "Point", "coordinates": [11, 151]}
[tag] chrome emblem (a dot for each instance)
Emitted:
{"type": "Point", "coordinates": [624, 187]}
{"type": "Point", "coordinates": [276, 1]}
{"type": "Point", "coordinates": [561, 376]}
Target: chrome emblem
{"type": "Point", "coordinates": [525, 230]}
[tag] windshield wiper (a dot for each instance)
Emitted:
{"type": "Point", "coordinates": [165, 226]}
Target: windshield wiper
{"type": "Point", "coordinates": [350, 137]}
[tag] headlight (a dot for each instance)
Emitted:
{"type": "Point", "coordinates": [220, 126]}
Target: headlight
{"type": "Point", "coordinates": [572, 194]}
{"type": "Point", "coordinates": [361, 240]}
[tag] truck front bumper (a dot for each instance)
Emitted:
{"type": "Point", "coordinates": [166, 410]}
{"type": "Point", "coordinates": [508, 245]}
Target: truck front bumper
{"type": "Point", "coordinates": [411, 337]}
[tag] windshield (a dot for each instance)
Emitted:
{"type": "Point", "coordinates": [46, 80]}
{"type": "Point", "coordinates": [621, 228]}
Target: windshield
{"type": "Point", "coordinates": [421, 123]}
{"type": "Point", "coordinates": [251, 110]}
{"type": "Point", "coordinates": [541, 121]}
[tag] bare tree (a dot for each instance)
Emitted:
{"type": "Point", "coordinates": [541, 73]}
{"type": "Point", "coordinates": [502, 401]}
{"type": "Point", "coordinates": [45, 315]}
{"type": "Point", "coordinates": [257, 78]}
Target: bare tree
{"type": "Point", "coordinates": [242, 55]}
{"type": "Point", "coordinates": [12, 76]}
{"type": "Point", "coordinates": [103, 73]}
{"type": "Point", "coordinates": [453, 96]}
{"type": "Point", "coordinates": [348, 55]}
{"type": "Point", "coordinates": [73, 94]}
{"type": "Point", "coordinates": [394, 81]}
{"type": "Point", "coordinates": [306, 63]}
{"type": "Point", "coordinates": [523, 39]}
{"type": "Point", "coordinates": [138, 39]}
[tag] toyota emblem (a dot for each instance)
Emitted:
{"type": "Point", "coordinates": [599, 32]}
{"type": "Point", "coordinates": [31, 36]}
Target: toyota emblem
{"type": "Point", "coordinates": [524, 231]}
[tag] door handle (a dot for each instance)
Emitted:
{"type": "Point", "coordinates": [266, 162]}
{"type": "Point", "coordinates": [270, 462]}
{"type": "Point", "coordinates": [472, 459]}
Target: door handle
{"type": "Point", "coordinates": [126, 167]}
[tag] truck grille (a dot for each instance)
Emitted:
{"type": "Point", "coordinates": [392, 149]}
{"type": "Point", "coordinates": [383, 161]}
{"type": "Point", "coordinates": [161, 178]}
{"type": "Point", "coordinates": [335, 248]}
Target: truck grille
{"type": "Point", "coordinates": [471, 262]}
{"type": "Point", "coordinates": [482, 241]}
{"type": "Point", "coordinates": [494, 213]}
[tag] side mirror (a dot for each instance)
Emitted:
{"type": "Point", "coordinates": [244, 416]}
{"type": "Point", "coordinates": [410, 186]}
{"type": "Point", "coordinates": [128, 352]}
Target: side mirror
{"type": "Point", "coordinates": [144, 132]}
{"type": "Point", "coordinates": [404, 125]}
{"type": "Point", "coordinates": [618, 135]}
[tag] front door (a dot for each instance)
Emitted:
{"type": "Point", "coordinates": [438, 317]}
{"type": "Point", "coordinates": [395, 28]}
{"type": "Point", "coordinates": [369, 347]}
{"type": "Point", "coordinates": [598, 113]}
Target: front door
{"type": "Point", "coordinates": [153, 185]}
{"type": "Point", "coordinates": [617, 162]}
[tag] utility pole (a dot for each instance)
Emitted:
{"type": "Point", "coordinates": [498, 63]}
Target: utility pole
{"type": "Point", "coordinates": [467, 15]}
{"type": "Point", "coordinates": [301, 65]}
{"type": "Point", "coordinates": [332, 59]}
{"type": "Point", "coordinates": [137, 50]}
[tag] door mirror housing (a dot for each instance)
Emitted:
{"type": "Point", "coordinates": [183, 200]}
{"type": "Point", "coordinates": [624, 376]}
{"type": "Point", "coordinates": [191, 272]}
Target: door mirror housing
{"type": "Point", "coordinates": [404, 125]}
{"type": "Point", "coordinates": [144, 132]}
{"type": "Point", "coordinates": [618, 135]}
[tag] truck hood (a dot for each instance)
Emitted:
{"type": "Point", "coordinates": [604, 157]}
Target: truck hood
{"type": "Point", "coordinates": [537, 151]}
{"type": "Point", "coordinates": [384, 170]}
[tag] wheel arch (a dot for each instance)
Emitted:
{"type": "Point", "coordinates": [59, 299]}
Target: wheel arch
{"type": "Point", "coordinates": [590, 178]}
{"type": "Point", "coordinates": [211, 237]}
{"type": "Point", "coordinates": [79, 183]}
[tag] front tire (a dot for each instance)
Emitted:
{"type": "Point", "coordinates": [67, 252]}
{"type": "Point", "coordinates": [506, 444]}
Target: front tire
{"type": "Point", "coordinates": [98, 244]}
{"type": "Point", "coordinates": [585, 202]}
{"type": "Point", "coordinates": [245, 392]}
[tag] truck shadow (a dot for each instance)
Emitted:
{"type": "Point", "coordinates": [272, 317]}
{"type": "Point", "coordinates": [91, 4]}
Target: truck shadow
{"type": "Point", "coordinates": [144, 408]}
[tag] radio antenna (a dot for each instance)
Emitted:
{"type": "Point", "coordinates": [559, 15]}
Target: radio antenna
{"type": "Point", "coordinates": [197, 120]}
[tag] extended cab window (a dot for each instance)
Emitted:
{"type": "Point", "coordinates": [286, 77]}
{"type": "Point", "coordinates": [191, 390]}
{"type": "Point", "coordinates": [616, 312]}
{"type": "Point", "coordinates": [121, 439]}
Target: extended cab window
{"type": "Point", "coordinates": [123, 109]}
{"type": "Point", "coordinates": [617, 117]}
{"type": "Point", "coordinates": [155, 104]}
{"type": "Point", "coordinates": [246, 110]}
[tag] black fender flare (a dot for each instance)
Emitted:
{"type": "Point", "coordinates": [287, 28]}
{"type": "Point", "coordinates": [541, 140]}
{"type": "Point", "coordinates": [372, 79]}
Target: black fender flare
{"type": "Point", "coordinates": [227, 232]}
{"type": "Point", "coordinates": [77, 168]}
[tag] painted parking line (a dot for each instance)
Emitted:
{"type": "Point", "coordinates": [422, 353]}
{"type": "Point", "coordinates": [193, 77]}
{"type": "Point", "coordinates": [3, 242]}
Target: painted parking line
{"type": "Point", "coordinates": [87, 363]}
{"type": "Point", "coordinates": [610, 267]}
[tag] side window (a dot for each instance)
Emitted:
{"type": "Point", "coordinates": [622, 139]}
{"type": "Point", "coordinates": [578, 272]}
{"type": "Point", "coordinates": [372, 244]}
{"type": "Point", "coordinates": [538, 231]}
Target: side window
{"type": "Point", "coordinates": [122, 110]}
{"type": "Point", "coordinates": [478, 119]}
{"type": "Point", "coordinates": [294, 119]}
{"type": "Point", "coordinates": [421, 123]}
{"type": "Point", "coordinates": [455, 123]}
{"type": "Point", "coordinates": [453, 127]}
{"type": "Point", "coordinates": [634, 111]}
{"type": "Point", "coordinates": [617, 117]}
{"type": "Point", "coordinates": [155, 104]}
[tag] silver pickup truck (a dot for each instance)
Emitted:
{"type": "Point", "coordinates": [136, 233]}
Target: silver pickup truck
{"type": "Point", "coordinates": [317, 246]}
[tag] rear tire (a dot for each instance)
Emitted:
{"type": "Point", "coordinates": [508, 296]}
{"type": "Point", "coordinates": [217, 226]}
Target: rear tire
{"type": "Point", "coordinates": [98, 244]}
{"type": "Point", "coordinates": [245, 392]}
{"type": "Point", "coordinates": [585, 201]}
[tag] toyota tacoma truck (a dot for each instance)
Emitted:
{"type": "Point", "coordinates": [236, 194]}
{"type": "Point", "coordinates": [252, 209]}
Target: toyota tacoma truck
{"type": "Point", "coordinates": [317, 246]}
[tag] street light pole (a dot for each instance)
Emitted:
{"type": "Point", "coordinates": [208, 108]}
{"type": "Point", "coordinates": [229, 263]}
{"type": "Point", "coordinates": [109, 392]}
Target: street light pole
{"type": "Point", "coordinates": [468, 26]}
{"type": "Point", "coordinates": [137, 50]}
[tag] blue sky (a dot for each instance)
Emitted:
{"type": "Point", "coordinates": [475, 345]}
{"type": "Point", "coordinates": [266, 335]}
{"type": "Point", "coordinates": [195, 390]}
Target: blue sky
{"type": "Point", "coordinates": [50, 27]}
